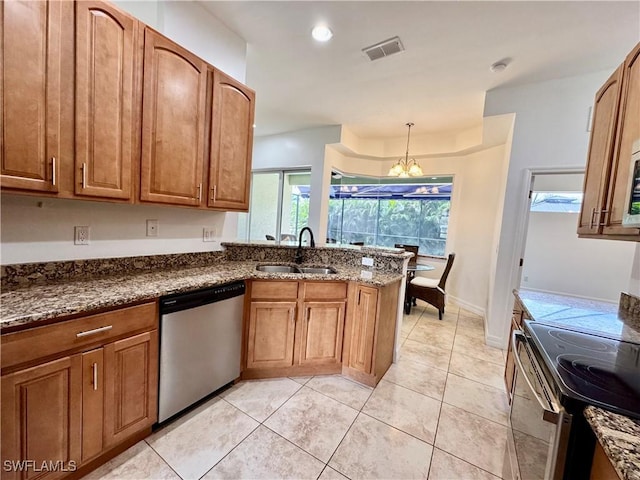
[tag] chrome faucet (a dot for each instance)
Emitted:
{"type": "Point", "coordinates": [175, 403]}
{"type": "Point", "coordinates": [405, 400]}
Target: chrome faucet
{"type": "Point", "coordinates": [299, 250]}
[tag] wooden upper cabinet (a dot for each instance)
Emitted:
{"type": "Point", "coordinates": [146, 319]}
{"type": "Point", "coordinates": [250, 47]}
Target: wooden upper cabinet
{"type": "Point", "coordinates": [596, 180]}
{"type": "Point", "coordinates": [105, 137]}
{"type": "Point", "coordinates": [628, 131]}
{"type": "Point", "coordinates": [173, 123]}
{"type": "Point", "coordinates": [31, 94]}
{"type": "Point", "coordinates": [233, 106]}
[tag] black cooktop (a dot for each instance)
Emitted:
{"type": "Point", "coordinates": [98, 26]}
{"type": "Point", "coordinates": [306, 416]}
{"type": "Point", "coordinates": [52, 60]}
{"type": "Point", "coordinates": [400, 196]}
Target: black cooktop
{"type": "Point", "coordinates": [592, 369]}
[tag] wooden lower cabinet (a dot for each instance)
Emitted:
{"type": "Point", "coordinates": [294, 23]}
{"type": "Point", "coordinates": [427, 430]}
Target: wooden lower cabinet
{"type": "Point", "coordinates": [293, 328]}
{"type": "Point", "coordinates": [76, 409]}
{"type": "Point", "coordinates": [41, 419]}
{"type": "Point", "coordinates": [271, 334]}
{"type": "Point", "coordinates": [321, 333]}
{"type": "Point", "coordinates": [370, 332]}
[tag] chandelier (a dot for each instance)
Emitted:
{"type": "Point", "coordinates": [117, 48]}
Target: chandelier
{"type": "Point", "coordinates": [406, 167]}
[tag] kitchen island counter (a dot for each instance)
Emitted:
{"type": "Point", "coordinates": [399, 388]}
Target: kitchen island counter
{"type": "Point", "coordinates": [64, 289]}
{"type": "Point", "coordinates": [619, 437]}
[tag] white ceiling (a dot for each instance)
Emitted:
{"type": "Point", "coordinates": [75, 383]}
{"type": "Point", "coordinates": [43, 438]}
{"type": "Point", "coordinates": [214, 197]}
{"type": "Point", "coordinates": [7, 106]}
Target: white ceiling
{"type": "Point", "coordinates": [439, 82]}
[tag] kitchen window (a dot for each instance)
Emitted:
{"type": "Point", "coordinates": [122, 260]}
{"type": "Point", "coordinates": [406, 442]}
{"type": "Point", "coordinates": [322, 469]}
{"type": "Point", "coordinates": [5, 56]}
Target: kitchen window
{"type": "Point", "coordinates": [278, 209]}
{"type": "Point", "coordinates": [383, 212]}
{"type": "Point", "coordinates": [567, 202]}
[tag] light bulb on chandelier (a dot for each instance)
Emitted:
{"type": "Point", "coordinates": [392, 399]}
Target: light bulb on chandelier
{"type": "Point", "coordinates": [406, 167]}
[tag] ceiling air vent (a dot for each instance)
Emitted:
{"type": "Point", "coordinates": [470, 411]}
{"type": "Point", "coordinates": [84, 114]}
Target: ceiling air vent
{"type": "Point", "coordinates": [383, 49]}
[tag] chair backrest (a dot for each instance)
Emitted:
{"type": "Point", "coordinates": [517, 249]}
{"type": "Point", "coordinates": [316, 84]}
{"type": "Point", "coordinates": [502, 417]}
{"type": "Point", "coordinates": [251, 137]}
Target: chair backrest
{"type": "Point", "coordinates": [270, 237]}
{"type": "Point", "coordinates": [447, 269]}
{"type": "Point", "coordinates": [361, 244]}
{"type": "Point", "coordinates": [410, 248]}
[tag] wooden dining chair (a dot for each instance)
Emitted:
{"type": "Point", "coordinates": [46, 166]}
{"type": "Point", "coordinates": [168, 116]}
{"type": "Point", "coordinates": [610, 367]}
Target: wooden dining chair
{"type": "Point", "coordinates": [410, 248]}
{"type": "Point", "coordinates": [430, 290]}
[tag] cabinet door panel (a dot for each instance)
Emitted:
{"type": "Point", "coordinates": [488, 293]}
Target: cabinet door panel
{"type": "Point", "coordinates": [322, 330]}
{"type": "Point", "coordinates": [173, 119]}
{"type": "Point", "coordinates": [271, 334]}
{"type": "Point", "coordinates": [31, 113]}
{"type": "Point", "coordinates": [628, 132]}
{"type": "Point", "coordinates": [41, 416]}
{"type": "Point", "coordinates": [92, 403]}
{"type": "Point", "coordinates": [363, 329]}
{"type": "Point", "coordinates": [600, 154]}
{"type": "Point", "coordinates": [131, 386]}
{"type": "Point", "coordinates": [231, 143]}
{"type": "Point", "coordinates": [105, 68]}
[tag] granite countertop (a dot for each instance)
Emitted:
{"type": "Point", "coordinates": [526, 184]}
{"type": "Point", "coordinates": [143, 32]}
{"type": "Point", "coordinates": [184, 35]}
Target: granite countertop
{"type": "Point", "coordinates": [620, 440]}
{"type": "Point", "coordinates": [35, 303]}
{"type": "Point", "coordinates": [584, 315]}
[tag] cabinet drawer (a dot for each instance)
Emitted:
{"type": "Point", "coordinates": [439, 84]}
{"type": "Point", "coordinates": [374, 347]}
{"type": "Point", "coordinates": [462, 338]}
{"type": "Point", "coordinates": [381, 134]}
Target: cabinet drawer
{"type": "Point", "coordinates": [40, 342]}
{"type": "Point", "coordinates": [323, 290]}
{"type": "Point", "coordinates": [274, 289]}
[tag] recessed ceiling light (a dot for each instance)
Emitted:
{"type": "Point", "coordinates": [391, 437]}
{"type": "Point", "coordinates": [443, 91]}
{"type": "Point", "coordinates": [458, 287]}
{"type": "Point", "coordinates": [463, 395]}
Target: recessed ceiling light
{"type": "Point", "coordinates": [321, 33]}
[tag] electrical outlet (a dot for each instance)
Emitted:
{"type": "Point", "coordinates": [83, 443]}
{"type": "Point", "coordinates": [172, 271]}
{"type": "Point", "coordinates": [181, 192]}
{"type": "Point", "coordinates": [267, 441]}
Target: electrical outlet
{"type": "Point", "coordinates": [152, 228]}
{"type": "Point", "coordinates": [209, 234]}
{"type": "Point", "coordinates": [81, 235]}
{"type": "Point", "coordinates": [367, 261]}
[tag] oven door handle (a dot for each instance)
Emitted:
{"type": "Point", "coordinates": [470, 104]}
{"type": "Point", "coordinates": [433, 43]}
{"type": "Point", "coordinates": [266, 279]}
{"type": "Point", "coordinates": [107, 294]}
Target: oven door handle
{"type": "Point", "coordinates": [550, 416]}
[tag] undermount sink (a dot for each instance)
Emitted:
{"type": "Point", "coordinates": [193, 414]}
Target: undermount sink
{"type": "Point", "coordinates": [321, 270]}
{"type": "Point", "coordinates": [277, 269]}
{"type": "Point", "coordinates": [293, 269]}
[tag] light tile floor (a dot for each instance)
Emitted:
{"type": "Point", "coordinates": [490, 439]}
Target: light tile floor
{"type": "Point", "coordinates": [439, 413]}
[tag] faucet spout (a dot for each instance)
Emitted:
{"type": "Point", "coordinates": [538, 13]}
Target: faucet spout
{"type": "Point", "coordinates": [312, 243]}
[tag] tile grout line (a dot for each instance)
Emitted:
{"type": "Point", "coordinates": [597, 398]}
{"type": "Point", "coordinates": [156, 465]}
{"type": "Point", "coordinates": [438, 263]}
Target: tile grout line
{"type": "Point", "coordinates": [161, 458]}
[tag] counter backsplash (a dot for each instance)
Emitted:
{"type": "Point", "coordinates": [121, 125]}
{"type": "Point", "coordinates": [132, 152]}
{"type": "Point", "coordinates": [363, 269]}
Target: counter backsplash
{"type": "Point", "coordinates": [25, 274]}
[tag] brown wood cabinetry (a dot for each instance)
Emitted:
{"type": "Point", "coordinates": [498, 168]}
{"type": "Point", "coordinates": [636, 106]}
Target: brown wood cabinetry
{"type": "Point", "coordinates": [616, 124]}
{"type": "Point", "coordinates": [98, 395]}
{"type": "Point", "coordinates": [106, 124]}
{"type": "Point", "coordinates": [173, 121]}
{"type": "Point", "coordinates": [601, 467]}
{"type": "Point", "coordinates": [233, 105]}
{"type": "Point", "coordinates": [294, 328]}
{"type": "Point", "coordinates": [41, 416]}
{"type": "Point", "coordinates": [31, 117]}
{"type": "Point", "coordinates": [370, 332]}
{"type": "Point", "coordinates": [97, 106]}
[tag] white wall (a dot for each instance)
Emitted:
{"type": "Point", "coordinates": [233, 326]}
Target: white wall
{"type": "Point", "coordinates": [30, 233]}
{"type": "Point", "coordinates": [557, 261]}
{"type": "Point", "coordinates": [550, 132]}
{"type": "Point", "coordinates": [301, 148]}
{"type": "Point", "coordinates": [196, 29]}
{"type": "Point", "coordinates": [33, 233]}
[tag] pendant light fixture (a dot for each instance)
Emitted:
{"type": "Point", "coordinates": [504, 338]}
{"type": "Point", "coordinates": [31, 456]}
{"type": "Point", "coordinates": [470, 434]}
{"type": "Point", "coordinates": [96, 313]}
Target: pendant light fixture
{"type": "Point", "coordinates": [406, 167]}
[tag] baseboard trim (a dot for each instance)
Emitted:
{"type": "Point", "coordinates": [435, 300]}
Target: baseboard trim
{"type": "Point", "coordinates": [493, 341]}
{"type": "Point", "coordinates": [468, 306]}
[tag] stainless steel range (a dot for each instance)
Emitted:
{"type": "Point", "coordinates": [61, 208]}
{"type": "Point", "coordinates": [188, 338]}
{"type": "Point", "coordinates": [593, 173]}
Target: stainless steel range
{"type": "Point", "coordinates": [559, 371]}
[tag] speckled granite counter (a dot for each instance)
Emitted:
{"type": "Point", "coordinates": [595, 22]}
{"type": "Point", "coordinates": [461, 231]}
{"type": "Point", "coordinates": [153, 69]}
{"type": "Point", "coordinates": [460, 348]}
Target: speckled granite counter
{"type": "Point", "coordinates": [589, 316]}
{"type": "Point", "coordinates": [620, 440]}
{"type": "Point", "coordinates": [42, 298]}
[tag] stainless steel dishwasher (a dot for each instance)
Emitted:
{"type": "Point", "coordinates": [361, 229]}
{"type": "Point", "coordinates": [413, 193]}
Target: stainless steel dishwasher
{"type": "Point", "coordinates": [200, 344]}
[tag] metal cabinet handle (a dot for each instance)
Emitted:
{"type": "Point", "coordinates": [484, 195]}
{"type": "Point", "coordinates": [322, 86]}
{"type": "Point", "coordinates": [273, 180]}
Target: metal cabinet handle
{"type": "Point", "coordinates": [604, 222]}
{"type": "Point", "coordinates": [593, 214]}
{"type": "Point", "coordinates": [84, 175]}
{"type": "Point", "coordinates": [213, 193]}
{"type": "Point", "coordinates": [53, 171]}
{"type": "Point", "coordinates": [94, 331]}
{"type": "Point", "coordinates": [199, 192]}
{"type": "Point", "coordinates": [94, 367]}
{"type": "Point", "coordinates": [550, 416]}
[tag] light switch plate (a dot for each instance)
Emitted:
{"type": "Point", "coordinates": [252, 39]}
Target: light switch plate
{"type": "Point", "coordinates": [367, 261]}
{"type": "Point", "coordinates": [366, 274]}
{"type": "Point", "coordinates": [209, 234]}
